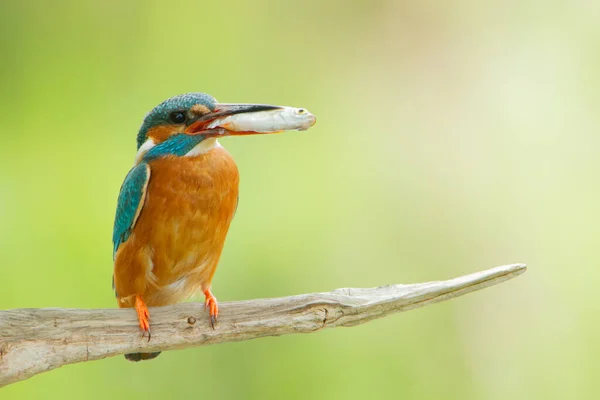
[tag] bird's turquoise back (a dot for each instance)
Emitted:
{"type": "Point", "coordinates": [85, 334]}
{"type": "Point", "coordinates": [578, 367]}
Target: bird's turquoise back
{"type": "Point", "coordinates": [131, 197]}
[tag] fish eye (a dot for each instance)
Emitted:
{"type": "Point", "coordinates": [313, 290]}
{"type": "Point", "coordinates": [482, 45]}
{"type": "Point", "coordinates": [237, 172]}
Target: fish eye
{"type": "Point", "coordinates": [301, 111]}
{"type": "Point", "coordinates": [177, 117]}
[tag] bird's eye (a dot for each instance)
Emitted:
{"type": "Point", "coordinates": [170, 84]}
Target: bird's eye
{"type": "Point", "coordinates": [178, 117]}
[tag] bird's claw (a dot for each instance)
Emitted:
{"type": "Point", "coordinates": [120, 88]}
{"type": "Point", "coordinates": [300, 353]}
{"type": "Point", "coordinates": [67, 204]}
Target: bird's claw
{"type": "Point", "coordinates": [143, 316]}
{"type": "Point", "coordinates": [146, 332]}
{"type": "Point", "coordinates": [213, 307]}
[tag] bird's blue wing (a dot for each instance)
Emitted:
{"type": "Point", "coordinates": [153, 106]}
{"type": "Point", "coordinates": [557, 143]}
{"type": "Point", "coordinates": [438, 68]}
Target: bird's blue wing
{"type": "Point", "coordinates": [130, 203]}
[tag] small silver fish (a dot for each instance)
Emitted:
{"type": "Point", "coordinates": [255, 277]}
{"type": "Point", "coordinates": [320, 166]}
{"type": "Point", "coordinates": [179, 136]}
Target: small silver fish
{"type": "Point", "coordinates": [270, 121]}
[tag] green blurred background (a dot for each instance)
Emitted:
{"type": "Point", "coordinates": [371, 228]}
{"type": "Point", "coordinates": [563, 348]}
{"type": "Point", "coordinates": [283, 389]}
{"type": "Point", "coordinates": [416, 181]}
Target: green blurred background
{"type": "Point", "coordinates": [451, 137]}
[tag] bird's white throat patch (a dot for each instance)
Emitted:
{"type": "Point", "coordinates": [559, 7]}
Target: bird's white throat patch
{"type": "Point", "coordinates": [204, 146]}
{"type": "Point", "coordinates": [147, 145]}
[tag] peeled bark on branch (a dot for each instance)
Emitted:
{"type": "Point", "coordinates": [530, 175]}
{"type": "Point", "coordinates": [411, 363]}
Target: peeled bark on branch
{"type": "Point", "coordinates": [38, 340]}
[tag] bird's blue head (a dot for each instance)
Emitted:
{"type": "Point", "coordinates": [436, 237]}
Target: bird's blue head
{"type": "Point", "coordinates": [173, 115]}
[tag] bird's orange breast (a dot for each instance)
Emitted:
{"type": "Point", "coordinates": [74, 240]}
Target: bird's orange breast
{"type": "Point", "coordinates": [177, 240]}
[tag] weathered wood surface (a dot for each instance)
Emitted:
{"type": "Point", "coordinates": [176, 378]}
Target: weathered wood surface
{"type": "Point", "coordinates": [38, 340]}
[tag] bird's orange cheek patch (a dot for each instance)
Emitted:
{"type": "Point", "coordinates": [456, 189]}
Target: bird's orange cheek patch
{"type": "Point", "coordinates": [161, 133]}
{"type": "Point", "coordinates": [199, 110]}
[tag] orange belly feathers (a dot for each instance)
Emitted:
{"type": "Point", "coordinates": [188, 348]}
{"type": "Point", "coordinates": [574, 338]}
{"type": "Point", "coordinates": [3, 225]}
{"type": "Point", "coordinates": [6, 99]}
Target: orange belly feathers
{"type": "Point", "coordinates": [175, 246]}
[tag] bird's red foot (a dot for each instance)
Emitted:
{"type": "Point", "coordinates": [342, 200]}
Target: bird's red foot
{"type": "Point", "coordinates": [143, 316]}
{"type": "Point", "coordinates": [212, 305]}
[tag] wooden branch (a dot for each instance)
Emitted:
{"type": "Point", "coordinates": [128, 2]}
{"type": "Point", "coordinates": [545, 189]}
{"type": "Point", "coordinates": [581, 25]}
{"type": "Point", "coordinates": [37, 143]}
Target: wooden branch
{"type": "Point", "coordinates": [38, 340]}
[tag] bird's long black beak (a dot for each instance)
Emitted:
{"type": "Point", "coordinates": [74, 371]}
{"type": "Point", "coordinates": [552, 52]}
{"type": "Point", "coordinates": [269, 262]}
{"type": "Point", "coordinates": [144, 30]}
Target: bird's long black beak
{"type": "Point", "coordinates": [223, 110]}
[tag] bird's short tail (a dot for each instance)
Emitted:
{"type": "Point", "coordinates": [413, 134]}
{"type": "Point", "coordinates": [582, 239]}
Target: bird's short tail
{"type": "Point", "coordinates": [135, 357]}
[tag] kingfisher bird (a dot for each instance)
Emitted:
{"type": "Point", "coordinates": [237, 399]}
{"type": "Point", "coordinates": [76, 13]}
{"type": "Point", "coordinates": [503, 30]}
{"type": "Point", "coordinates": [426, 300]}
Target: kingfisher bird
{"type": "Point", "coordinates": [177, 202]}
